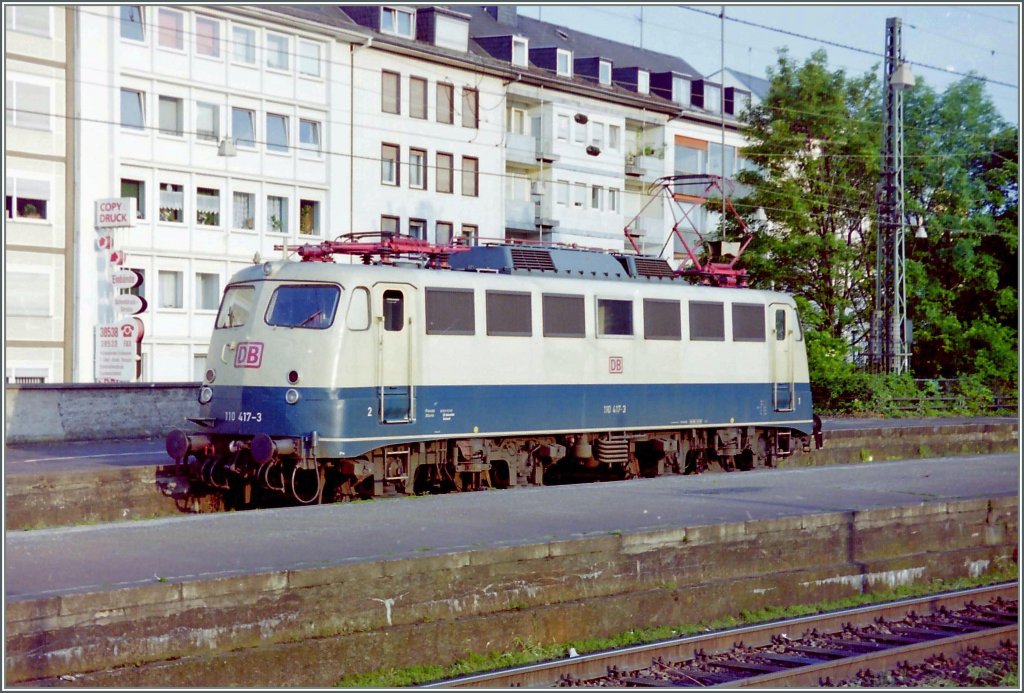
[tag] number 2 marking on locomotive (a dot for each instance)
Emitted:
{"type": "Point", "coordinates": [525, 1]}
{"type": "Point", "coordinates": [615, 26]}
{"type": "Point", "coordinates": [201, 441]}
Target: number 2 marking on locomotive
{"type": "Point", "coordinates": [369, 411]}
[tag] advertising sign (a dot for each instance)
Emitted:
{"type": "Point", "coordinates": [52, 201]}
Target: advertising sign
{"type": "Point", "coordinates": [115, 351]}
{"type": "Point", "coordinates": [115, 212]}
{"type": "Point", "coordinates": [125, 278]}
{"type": "Point", "coordinates": [129, 304]}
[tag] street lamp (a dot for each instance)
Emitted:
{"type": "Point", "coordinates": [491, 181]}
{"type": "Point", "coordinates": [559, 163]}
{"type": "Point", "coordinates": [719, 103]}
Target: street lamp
{"type": "Point", "coordinates": [915, 221]}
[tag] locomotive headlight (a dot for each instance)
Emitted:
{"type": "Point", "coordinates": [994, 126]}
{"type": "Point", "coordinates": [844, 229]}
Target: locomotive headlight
{"type": "Point", "coordinates": [291, 396]}
{"type": "Point", "coordinates": [211, 375]}
{"type": "Point", "coordinates": [205, 394]}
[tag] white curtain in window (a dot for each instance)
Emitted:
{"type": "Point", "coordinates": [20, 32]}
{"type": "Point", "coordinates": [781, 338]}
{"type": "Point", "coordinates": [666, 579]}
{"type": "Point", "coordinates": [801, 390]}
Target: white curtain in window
{"type": "Point", "coordinates": [172, 199]}
{"type": "Point", "coordinates": [33, 189]}
{"type": "Point", "coordinates": [170, 289]}
{"type": "Point", "coordinates": [244, 212]}
{"type": "Point", "coordinates": [208, 200]}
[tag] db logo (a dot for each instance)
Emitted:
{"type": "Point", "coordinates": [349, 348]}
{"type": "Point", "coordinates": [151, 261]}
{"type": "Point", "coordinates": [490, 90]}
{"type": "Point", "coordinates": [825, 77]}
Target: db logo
{"type": "Point", "coordinates": [615, 364]}
{"type": "Point", "coordinates": [248, 354]}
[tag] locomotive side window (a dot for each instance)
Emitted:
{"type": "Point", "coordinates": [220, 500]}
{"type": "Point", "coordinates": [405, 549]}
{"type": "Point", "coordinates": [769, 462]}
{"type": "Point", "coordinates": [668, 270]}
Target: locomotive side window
{"type": "Point", "coordinates": [236, 306]}
{"type": "Point", "coordinates": [707, 321]}
{"type": "Point", "coordinates": [614, 317]}
{"type": "Point", "coordinates": [563, 316]}
{"type": "Point", "coordinates": [358, 318]}
{"type": "Point", "coordinates": [309, 306]}
{"type": "Point", "coordinates": [508, 314]}
{"type": "Point", "coordinates": [394, 310]}
{"type": "Point", "coordinates": [450, 311]}
{"type": "Point", "coordinates": [780, 325]}
{"type": "Point", "coordinates": [748, 322]}
{"type": "Point", "coordinates": [661, 319]}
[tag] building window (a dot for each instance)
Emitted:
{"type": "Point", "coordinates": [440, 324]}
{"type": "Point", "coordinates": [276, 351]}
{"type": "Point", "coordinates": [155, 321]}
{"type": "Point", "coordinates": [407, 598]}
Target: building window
{"type": "Point", "coordinates": [132, 26]}
{"type": "Point", "coordinates": [389, 160]}
{"type": "Point", "coordinates": [470, 108]}
{"type": "Point", "coordinates": [389, 224]}
{"type": "Point", "coordinates": [613, 200]}
{"type": "Point", "coordinates": [614, 317]}
{"type": "Point", "coordinates": [244, 49]}
{"type": "Point", "coordinates": [244, 214]}
{"type": "Point", "coordinates": [563, 128]}
{"type": "Point", "coordinates": [470, 176]}
{"type": "Point", "coordinates": [691, 159]}
{"type": "Point", "coordinates": [207, 121]}
{"type": "Point", "coordinates": [579, 133]}
{"type": "Point", "coordinates": [28, 19]}
{"type": "Point", "coordinates": [277, 51]}
{"type": "Point", "coordinates": [390, 92]}
{"type": "Point", "coordinates": [170, 24]}
{"type": "Point", "coordinates": [520, 51]}
{"type": "Point", "coordinates": [207, 37]}
{"type": "Point", "coordinates": [445, 177]}
{"type": "Point", "coordinates": [643, 81]}
{"type": "Point", "coordinates": [579, 197]}
{"type": "Point", "coordinates": [243, 127]}
{"type": "Point", "coordinates": [681, 90]}
{"type": "Point", "coordinates": [171, 116]}
{"type": "Point", "coordinates": [207, 207]}
{"type": "Point", "coordinates": [277, 132]}
{"type": "Point", "coordinates": [26, 199]}
{"type": "Point", "coordinates": [597, 134]}
{"type": "Point", "coordinates": [470, 234]}
{"type": "Point", "coordinates": [207, 291]}
{"type": "Point", "coordinates": [604, 72]}
{"type": "Point", "coordinates": [563, 62]}
{"type": "Point", "coordinates": [277, 214]}
{"type": "Point", "coordinates": [135, 189]}
{"type": "Point", "coordinates": [516, 121]}
{"type": "Point", "coordinates": [418, 229]}
{"type": "Point", "coordinates": [712, 98]}
{"type": "Point", "coordinates": [445, 103]}
{"type": "Point", "coordinates": [309, 135]}
{"type": "Point", "coordinates": [172, 202]}
{"type": "Point", "coordinates": [614, 137]}
{"type": "Point", "coordinates": [395, 21]}
{"type": "Point", "coordinates": [418, 169]}
{"type": "Point", "coordinates": [28, 105]}
{"type": "Point", "coordinates": [309, 58]}
{"type": "Point", "coordinates": [131, 109]}
{"type": "Point", "coordinates": [596, 197]}
{"type": "Point", "coordinates": [443, 233]}
{"type": "Point", "coordinates": [170, 288]}
{"type": "Point", "coordinates": [721, 160]}
{"type": "Point", "coordinates": [562, 192]}
{"type": "Point", "coordinates": [309, 217]}
{"type": "Point", "coordinates": [417, 97]}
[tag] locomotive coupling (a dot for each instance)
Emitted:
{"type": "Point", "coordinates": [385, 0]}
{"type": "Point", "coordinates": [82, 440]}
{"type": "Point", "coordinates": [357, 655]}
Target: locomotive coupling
{"type": "Point", "coordinates": [179, 444]}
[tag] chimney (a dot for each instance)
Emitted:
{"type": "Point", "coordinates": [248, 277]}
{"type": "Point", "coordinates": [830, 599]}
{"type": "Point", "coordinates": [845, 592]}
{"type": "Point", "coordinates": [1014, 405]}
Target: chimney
{"type": "Point", "coordinates": [504, 14]}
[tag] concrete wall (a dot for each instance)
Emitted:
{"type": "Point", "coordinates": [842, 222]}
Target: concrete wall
{"type": "Point", "coordinates": [66, 413]}
{"type": "Point", "coordinates": [309, 628]}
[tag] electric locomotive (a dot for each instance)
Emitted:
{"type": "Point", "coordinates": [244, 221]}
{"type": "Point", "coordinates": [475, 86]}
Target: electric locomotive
{"type": "Point", "coordinates": [487, 366]}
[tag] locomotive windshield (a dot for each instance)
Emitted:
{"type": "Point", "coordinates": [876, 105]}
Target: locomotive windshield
{"type": "Point", "coordinates": [307, 306]}
{"type": "Point", "coordinates": [236, 306]}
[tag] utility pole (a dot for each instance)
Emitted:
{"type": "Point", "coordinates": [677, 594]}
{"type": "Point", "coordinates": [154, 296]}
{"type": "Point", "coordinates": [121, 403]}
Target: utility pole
{"type": "Point", "coordinates": [890, 352]}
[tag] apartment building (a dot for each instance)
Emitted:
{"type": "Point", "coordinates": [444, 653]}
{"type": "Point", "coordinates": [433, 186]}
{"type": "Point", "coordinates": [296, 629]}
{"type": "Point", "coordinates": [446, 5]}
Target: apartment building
{"type": "Point", "coordinates": [240, 129]}
{"type": "Point", "coordinates": [38, 194]}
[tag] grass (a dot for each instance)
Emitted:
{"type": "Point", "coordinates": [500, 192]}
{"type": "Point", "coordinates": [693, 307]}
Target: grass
{"type": "Point", "coordinates": [530, 652]}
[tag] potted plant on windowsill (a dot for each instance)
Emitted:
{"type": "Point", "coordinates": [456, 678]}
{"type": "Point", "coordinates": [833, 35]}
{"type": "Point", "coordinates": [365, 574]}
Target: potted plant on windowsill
{"type": "Point", "coordinates": [276, 224]}
{"type": "Point", "coordinates": [168, 214]}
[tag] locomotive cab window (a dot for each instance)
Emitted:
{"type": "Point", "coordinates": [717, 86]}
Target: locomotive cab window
{"type": "Point", "coordinates": [394, 310]}
{"type": "Point", "coordinates": [307, 306]}
{"type": "Point", "coordinates": [748, 322]}
{"type": "Point", "coordinates": [563, 316]}
{"type": "Point", "coordinates": [661, 319]}
{"type": "Point", "coordinates": [614, 317]}
{"type": "Point", "coordinates": [450, 311]}
{"type": "Point", "coordinates": [358, 318]}
{"type": "Point", "coordinates": [780, 324]}
{"type": "Point", "coordinates": [707, 321]}
{"type": "Point", "coordinates": [508, 314]}
{"type": "Point", "coordinates": [236, 307]}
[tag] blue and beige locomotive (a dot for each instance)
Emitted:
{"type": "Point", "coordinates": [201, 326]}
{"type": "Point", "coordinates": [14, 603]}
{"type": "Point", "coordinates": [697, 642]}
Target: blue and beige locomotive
{"type": "Point", "coordinates": [497, 366]}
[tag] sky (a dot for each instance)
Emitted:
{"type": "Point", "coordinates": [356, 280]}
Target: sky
{"type": "Point", "coordinates": [979, 37]}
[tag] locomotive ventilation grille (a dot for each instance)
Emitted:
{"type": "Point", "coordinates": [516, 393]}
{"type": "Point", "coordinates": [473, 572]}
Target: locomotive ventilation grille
{"type": "Point", "coordinates": [532, 259]}
{"type": "Point", "coordinates": [652, 267]}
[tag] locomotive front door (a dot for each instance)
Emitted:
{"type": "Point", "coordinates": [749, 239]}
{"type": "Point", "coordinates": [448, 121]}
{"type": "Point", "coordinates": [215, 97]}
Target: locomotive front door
{"type": "Point", "coordinates": [783, 320]}
{"type": "Point", "coordinates": [393, 313]}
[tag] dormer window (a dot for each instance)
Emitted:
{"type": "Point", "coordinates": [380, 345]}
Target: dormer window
{"type": "Point", "coordinates": [398, 22]}
{"type": "Point", "coordinates": [520, 49]}
{"type": "Point", "coordinates": [564, 63]}
{"type": "Point", "coordinates": [712, 98]}
{"type": "Point", "coordinates": [604, 72]}
{"type": "Point", "coordinates": [681, 90]}
{"type": "Point", "coordinates": [643, 82]}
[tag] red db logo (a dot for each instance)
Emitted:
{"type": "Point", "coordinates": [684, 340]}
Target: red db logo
{"type": "Point", "coordinates": [249, 355]}
{"type": "Point", "coordinates": [615, 364]}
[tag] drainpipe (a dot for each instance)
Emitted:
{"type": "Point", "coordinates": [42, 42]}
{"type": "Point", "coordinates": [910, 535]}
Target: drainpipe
{"type": "Point", "coordinates": [352, 48]}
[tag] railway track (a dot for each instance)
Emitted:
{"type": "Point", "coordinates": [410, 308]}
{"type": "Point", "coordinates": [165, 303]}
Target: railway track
{"type": "Point", "coordinates": [806, 651]}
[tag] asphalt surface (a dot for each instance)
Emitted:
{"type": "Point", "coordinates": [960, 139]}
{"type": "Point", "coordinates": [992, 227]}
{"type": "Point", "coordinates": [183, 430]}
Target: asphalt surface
{"type": "Point", "coordinates": [67, 457]}
{"type": "Point", "coordinates": [105, 557]}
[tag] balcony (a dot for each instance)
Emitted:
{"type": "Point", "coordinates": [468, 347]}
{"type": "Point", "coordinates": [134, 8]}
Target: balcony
{"type": "Point", "coordinates": [520, 149]}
